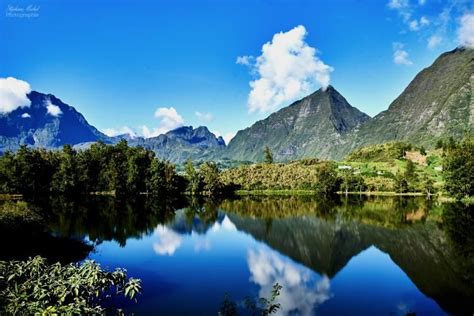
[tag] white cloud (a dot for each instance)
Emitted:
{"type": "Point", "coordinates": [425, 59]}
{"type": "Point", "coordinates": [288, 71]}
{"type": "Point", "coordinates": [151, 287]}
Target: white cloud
{"type": "Point", "coordinates": [434, 41]}
{"type": "Point", "coordinates": [403, 8]}
{"type": "Point", "coordinates": [245, 60]}
{"type": "Point", "coordinates": [466, 30]}
{"type": "Point", "coordinates": [169, 120]}
{"type": "Point", "coordinates": [424, 21]}
{"type": "Point", "coordinates": [287, 70]}
{"type": "Point", "coordinates": [204, 117]}
{"type": "Point", "coordinates": [52, 109]}
{"type": "Point", "coordinates": [25, 115]}
{"type": "Point", "coordinates": [119, 131]}
{"type": "Point", "coordinates": [413, 25]}
{"type": "Point", "coordinates": [400, 56]}
{"type": "Point", "coordinates": [397, 4]}
{"type": "Point", "coordinates": [168, 241]}
{"type": "Point", "coordinates": [302, 290]}
{"type": "Point", "coordinates": [13, 94]}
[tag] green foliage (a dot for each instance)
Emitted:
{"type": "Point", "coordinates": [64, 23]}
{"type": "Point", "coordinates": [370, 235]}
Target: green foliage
{"type": "Point", "coordinates": [264, 306]}
{"type": "Point", "coordinates": [16, 213]}
{"type": "Point", "coordinates": [36, 287]}
{"type": "Point", "coordinates": [193, 176]}
{"type": "Point", "coordinates": [380, 153]}
{"type": "Point", "coordinates": [267, 155]}
{"type": "Point", "coordinates": [296, 175]}
{"type": "Point", "coordinates": [459, 169]}
{"type": "Point", "coordinates": [401, 183]}
{"type": "Point", "coordinates": [351, 182]}
{"type": "Point", "coordinates": [213, 185]}
{"type": "Point", "coordinates": [428, 186]}
{"type": "Point", "coordinates": [120, 169]}
{"type": "Point", "coordinates": [328, 180]}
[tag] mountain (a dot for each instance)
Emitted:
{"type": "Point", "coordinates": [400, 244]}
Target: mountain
{"type": "Point", "coordinates": [48, 123]}
{"type": "Point", "coordinates": [309, 127]}
{"type": "Point", "coordinates": [438, 103]}
{"type": "Point", "coordinates": [182, 143]}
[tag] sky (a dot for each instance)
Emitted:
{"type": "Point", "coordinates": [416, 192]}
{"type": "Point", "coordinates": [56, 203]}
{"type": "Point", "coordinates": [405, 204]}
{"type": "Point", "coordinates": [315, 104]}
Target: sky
{"type": "Point", "coordinates": [147, 66]}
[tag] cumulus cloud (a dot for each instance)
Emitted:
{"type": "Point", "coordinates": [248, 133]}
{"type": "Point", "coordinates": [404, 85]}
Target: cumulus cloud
{"type": "Point", "coordinates": [466, 30]}
{"type": "Point", "coordinates": [13, 94]}
{"type": "Point", "coordinates": [52, 109]}
{"type": "Point", "coordinates": [119, 131]}
{"type": "Point", "coordinates": [287, 70]}
{"type": "Point", "coordinates": [25, 115]}
{"type": "Point", "coordinates": [434, 41]}
{"type": "Point", "coordinates": [204, 117]}
{"type": "Point", "coordinates": [169, 120]}
{"type": "Point", "coordinates": [168, 241]}
{"type": "Point", "coordinates": [302, 290]}
{"type": "Point", "coordinates": [400, 55]}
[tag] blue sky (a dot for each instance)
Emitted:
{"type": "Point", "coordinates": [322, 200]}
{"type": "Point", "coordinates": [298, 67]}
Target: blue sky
{"type": "Point", "coordinates": [118, 62]}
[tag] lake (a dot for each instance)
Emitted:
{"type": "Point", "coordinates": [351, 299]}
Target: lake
{"type": "Point", "coordinates": [354, 256]}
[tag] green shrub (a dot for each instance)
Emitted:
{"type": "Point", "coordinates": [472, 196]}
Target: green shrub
{"type": "Point", "coordinates": [35, 287]}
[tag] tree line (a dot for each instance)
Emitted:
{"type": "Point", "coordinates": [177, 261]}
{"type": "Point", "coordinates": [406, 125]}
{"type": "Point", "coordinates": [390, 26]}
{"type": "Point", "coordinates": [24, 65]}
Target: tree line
{"type": "Point", "coordinates": [119, 168]}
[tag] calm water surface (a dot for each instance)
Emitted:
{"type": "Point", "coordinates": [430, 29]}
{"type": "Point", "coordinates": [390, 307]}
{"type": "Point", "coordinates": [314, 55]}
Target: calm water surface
{"type": "Point", "coordinates": [353, 257]}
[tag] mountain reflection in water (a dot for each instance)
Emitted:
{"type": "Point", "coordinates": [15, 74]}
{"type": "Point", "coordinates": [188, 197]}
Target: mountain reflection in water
{"type": "Point", "coordinates": [355, 256]}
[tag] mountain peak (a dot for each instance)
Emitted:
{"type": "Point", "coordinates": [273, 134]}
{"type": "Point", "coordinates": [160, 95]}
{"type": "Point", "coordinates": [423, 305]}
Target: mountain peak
{"type": "Point", "coordinates": [305, 128]}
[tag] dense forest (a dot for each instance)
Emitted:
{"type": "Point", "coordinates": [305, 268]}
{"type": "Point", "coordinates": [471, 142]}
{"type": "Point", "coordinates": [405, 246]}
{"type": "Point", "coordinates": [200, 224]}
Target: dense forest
{"type": "Point", "coordinates": [125, 171]}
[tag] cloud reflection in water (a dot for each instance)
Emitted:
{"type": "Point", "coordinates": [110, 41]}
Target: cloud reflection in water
{"type": "Point", "coordinates": [302, 289]}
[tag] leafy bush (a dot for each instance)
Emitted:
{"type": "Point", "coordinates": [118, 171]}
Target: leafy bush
{"type": "Point", "coordinates": [35, 287]}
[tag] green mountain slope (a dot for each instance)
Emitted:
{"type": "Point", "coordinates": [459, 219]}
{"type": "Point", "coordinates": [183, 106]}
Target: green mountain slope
{"type": "Point", "coordinates": [438, 103]}
{"type": "Point", "coordinates": [309, 127]}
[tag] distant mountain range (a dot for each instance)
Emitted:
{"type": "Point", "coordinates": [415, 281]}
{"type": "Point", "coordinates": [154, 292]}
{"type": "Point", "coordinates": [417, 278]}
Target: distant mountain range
{"type": "Point", "coordinates": [438, 103]}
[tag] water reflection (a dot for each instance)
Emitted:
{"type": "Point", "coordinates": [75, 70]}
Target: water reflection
{"type": "Point", "coordinates": [398, 254]}
{"type": "Point", "coordinates": [302, 289]}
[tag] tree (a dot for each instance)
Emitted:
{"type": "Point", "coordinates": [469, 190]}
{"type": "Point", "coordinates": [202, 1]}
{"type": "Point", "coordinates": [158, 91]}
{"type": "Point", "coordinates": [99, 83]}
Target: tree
{"type": "Point", "coordinates": [428, 186]}
{"type": "Point", "coordinates": [268, 155]}
{"type": "Point", "coordinates": [328, 181]}
{"type": "Point", "coordinates": [117, 169]}
{"type": "Point", "coordinates": [193, 177]}
{"type": "Point", "coordinates": [401, 183]}
{"type": "Point", "coordinates": [410, 170]}
{"type": "Point", "coordinates": [138, 166]}
{"type": "Point", "coordinates": [210, 175]}
{"type": "Point", "coordinates": [66, 178]}
{"type": "Point", "coordinates": [156, 180]}
{"type": "Point", "coordinates": [458, 169]}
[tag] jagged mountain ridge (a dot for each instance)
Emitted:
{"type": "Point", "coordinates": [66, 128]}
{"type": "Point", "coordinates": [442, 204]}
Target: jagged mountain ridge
{"type": "Point", "coordinates": [182, 143]}
{"type": "Point", "coordinates": [50, 123]}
